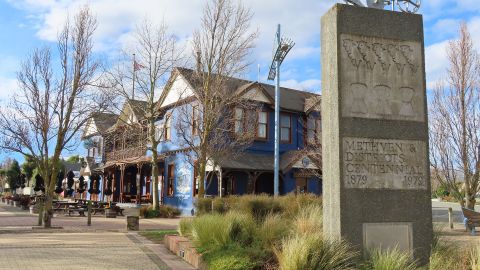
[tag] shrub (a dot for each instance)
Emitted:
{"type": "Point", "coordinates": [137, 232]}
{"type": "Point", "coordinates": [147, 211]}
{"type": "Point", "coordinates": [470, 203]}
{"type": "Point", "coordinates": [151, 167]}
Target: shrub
{"type": "Point", "coordinates": [312, 251]}
{"type": "Point", "coordinates": [391, 259]}
{"type": "Point", "coordinates": [203, 206]}
{"type": "Point", "coordinates": [185, 227]}
{"type": "Point", "coordinates": [165, 211]}
{"type": "Point", "coordinates": [231, 257]}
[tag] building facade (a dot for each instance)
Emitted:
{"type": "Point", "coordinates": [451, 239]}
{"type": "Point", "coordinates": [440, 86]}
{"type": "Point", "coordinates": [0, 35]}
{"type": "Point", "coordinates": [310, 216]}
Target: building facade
{"type": "Point", "coordinates": [251, 171]}
{"type": "Point", "coordinates": [125, 158]}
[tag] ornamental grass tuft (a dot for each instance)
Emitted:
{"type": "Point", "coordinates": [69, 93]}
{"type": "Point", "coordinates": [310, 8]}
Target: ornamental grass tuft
{"type": "Point", "coordinates": [391, 259]}
{"type": "Point", "coordinates": [302, 251]}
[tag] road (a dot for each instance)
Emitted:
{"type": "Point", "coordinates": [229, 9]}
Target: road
{"type": "Point", "coordinates": [440, 212]}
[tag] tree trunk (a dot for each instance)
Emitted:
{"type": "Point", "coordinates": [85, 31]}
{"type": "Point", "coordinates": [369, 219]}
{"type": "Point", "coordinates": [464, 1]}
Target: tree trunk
{"type": "Point", "coordinates": [47, 212]}
{"type": "Point", "coordinates": [156, 200]}
{"type": "Point", "coordinates": [201, 180]}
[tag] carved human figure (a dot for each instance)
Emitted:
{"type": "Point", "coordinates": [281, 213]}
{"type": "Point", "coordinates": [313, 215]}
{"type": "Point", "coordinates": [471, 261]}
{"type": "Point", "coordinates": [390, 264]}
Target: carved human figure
{"type": "Point", "coordinates": [359, 91]}
{"type": "Point", "coordinates": [406, 96]}
{"type": "Point", "coordinates": [382, 95]}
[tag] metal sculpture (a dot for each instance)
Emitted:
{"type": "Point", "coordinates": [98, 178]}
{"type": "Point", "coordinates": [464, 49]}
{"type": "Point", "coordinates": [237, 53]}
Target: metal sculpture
{"type": "Point", "coordinates": [81, 184]}
{"type": "Point", "coordinates": [70, 182]}
{"type": "Point", "coordinates": [408, 6]}
{"type": "Point", "coordinates": [59, 185]}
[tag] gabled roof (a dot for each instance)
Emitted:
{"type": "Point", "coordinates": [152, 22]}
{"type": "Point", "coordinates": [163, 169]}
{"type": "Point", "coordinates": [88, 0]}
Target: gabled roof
{"type": "Point", "coordinates": [139, 107]}
{"type": "Point", "coordinates": [290, 158]}
{"type": "Point", "coordinates": [293, 100]}
{"type": "Point", "coordinates": [102, 122]}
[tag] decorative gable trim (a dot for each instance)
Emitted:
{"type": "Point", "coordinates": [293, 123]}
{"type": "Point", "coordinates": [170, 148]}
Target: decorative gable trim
{"type": "Point", "coordinates": [90, 128]}
{"type": "Point", "coordinates": [257, 92]}
{"type": "Point", "coordinates": [168, 97]}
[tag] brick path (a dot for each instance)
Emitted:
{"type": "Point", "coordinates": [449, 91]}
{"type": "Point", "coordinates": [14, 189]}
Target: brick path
{"type": "Point", "coordinates": [104, 245]}
{"type": "Point", "coordinates": [13, 218]}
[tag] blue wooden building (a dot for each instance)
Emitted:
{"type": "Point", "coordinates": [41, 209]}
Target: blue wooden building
{"type": "Point", "coordinates": [249, 172]}
{"type": "Point", "coordinates": [124, 158]}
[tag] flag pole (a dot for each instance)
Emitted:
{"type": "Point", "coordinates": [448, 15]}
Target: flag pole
{"type": "Point", "coordinates": [133, 78]}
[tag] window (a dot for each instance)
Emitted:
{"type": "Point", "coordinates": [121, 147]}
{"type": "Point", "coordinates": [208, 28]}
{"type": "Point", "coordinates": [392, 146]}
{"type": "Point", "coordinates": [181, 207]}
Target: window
{"type": "Point", "coordinates": [170, 178]}
{"type": "Point", "coordinates": [195, 118]}
{"type": "Point", "coordinates": [262, 125]}
{"type": "Point", "coordinates": [195, 178]}
{"type": "Point", "coordinates": [168, 126]}
{"type": "Point", "coordinates": [285, 128]}
{"type": "Point", "coordinates": [239, 124]}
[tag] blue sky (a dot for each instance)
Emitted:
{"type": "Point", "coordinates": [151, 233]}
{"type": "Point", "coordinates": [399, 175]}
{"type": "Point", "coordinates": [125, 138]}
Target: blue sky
{"type": "Point", "coordinates": [27, 24]}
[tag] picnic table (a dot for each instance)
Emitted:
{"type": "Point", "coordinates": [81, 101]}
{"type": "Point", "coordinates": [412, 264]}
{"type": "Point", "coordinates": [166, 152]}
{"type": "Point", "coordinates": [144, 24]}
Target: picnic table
{"type": "Point", "coordinates": [70, 207]}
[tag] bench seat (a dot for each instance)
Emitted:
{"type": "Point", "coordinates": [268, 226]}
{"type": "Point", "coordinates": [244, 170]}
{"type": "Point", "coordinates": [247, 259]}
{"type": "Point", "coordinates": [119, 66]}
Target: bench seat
{"type": "Point", "coordinates": [472, 219]}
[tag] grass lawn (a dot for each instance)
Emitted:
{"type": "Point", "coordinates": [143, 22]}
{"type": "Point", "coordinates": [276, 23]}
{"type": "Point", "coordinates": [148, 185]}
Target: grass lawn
{"type": "Point", "coordinates": [157, 236]}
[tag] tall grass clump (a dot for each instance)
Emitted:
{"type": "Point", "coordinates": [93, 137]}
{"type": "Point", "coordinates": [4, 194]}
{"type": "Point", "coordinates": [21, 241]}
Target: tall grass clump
{"type": "Point", "coordinates": [309, 220]}
{"type": "Point", "coordinates": [391, 259]}
{"type": "Point", "coordinates": [273, 229]}
{"type": "Point", "coordinates": [258, 206]}
{"type": "Point", "coordinates": [292, 204]}
{"type": "Point", "coordinates": [475, 258]}
{"type": "Point", "coordinates": [185, 227]}
{"type": "Point", "coordinates": [213, 230]}
{"type": "Point", "coordinates": [447, 255]}
{"type": "Point", "coordinates": [312, 251]}
{"type": "Point", "coordinates": [203, 206]}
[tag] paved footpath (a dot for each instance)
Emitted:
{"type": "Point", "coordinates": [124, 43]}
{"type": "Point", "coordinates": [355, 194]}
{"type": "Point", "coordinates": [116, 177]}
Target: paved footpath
{"type": "Point", "coordinates": [104, 245]}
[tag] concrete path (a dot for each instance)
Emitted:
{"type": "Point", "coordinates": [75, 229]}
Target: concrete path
{"type": "Point", "coordinates": [104, 245]}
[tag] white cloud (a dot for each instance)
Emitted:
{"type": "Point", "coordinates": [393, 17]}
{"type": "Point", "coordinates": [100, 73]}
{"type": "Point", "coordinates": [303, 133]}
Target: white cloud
{"type": "Point", "coordinates": [311, 85]}
{"type": "Point", "coordinates": [436, 62]}
{"type": "Point", "coordinates": [117, 18]}
{"type": "Point", "coordinates": [7, 88]}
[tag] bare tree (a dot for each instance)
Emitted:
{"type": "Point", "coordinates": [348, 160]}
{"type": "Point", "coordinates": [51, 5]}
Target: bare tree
{"type": "Point", "coordinates": [156, 53]}
{"type": "Point", "coordinates": [53, 103]}
{"type": "Point", "coordinates": [221, 47]}
{"type": "Point", "coordinates": [454, 122]}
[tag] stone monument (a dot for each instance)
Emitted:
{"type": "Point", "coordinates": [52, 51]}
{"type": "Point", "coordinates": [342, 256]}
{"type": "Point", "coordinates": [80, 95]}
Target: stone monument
{"type": "Point", "coordinates": [375, 135]}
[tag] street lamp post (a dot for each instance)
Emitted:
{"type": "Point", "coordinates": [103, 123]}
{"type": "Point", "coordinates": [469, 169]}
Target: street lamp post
{"type": "Point", "coordinates": [283, 47]}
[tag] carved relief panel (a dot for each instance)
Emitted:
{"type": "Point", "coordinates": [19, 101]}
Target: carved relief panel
{"type": "Point", "coordinates": [381, 78]}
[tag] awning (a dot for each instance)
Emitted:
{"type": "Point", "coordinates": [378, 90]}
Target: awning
{"type": "Point", "coordinates": [258, 162]}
